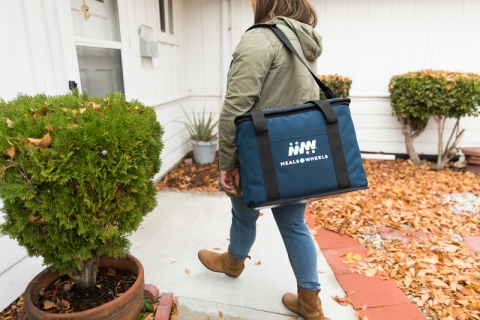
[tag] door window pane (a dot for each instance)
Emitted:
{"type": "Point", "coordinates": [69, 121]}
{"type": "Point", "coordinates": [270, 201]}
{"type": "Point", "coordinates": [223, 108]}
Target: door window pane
{"type": "Point", "coordinates": [95, 19]}
{"type": "Point", "coordinates": [100, 70]}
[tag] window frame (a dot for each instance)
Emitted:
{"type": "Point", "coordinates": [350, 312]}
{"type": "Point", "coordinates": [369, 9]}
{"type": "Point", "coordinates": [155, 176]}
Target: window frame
{"type": "Point", "coordinates": [166, 35]}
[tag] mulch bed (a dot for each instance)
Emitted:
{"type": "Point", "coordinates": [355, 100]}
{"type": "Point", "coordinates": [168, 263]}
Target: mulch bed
{"type": "Point", "coordinates": [188, 175]}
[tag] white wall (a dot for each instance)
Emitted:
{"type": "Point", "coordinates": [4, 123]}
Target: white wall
{"type": "Point", "coordinates": [373, 40]}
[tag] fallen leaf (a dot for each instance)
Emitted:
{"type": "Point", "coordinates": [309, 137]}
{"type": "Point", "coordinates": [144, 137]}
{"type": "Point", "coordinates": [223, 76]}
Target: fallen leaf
{"type": "Point", "coordinates": [173, 261]}
{"type": "Point", "coordinates": [258, 263]}
{"type": "Point", "coordinates": [63, 304]}
{"type": "Point", "coordinates": [371, 272]}
{"type": "Point", "coordinates": [220, 313]}
{"type": "Point", "coordinates": [48, 305]}
{"type": "Point", "coordinates": [357, 257]}
{"type": "Point", "coordinates": [343, 301]}
{"type": "Point", "coordinates": [112, 272]}
{"type": "Point", "coordinates": [10, 151]}
{"type": "Point", "coordinates": [187, 271]}
{"type": "Point", "coordinates": [439, 283]}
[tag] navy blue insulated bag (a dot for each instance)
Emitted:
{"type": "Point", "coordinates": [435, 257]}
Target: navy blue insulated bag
{"type": "Point", "coordinates": [299, 153]}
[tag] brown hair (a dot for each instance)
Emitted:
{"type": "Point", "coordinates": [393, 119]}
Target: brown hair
{"type": "Point", "coordinates": [300, 10]}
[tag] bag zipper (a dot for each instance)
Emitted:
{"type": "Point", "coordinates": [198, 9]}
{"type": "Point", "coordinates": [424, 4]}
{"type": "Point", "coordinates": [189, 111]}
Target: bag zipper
{"type": "Point", "coordinates": [272, 113]}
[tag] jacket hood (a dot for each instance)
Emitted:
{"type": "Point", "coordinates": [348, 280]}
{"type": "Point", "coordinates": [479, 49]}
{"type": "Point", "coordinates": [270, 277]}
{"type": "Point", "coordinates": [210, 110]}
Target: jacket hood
{"type": "Point", "coordinates": [310, 41]}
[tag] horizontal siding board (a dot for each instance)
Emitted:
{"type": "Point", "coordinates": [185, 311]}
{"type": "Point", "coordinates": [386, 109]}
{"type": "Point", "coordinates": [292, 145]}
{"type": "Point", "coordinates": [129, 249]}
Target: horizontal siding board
{"type": "Point", "coordinates": [14, 281]}
{"type": "Point", "coordinates": [11, 253]}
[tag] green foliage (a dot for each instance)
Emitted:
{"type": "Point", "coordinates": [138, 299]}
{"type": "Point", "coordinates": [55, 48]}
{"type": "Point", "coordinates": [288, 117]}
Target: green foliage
{"type": "Point", "coordinates": [147, 305]}
{"type": "Point", "coordinates": [419, 95]}
{"type": "Point", "coordinates": [85, 190]}
{"type": "Point", "coordinates": [339, 85]}
{"type": "Point", "coordinates": [201, 128]}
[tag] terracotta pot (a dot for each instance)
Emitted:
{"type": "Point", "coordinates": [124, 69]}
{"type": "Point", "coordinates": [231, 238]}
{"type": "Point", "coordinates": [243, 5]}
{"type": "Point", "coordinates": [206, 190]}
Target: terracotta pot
{"type": "Point", "coordinates": [125, 307]}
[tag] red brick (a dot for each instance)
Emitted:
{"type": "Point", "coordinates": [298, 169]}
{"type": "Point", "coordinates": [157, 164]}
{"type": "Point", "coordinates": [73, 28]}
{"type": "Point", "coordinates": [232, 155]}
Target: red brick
{"type": "Point", "coordinates": [162, 313]}
{"type": "Point", "coordinates": [151, 292]}
{"type": "Point", "coordinates": [473, 168]}
{"type": "Point", "coordinates": [471, 151]}
{"type": "Point", "coordinates": [336, 257]}
{"type": "Point", "coordinates": [328, 239]}
{"type": "Point", "coordinates": [388, 233]}
{"type": "Point", "coordinates": [398, 312]}
{"type": "Point", "coordinates": [371, 291]}
{"type": "Point", "coordinates": [164, 306]}
{"type": "Point", "coordinates": [472, 242]}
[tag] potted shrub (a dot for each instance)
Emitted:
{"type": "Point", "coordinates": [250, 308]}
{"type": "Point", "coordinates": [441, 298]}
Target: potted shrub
{"type": "Point", "coordinates": [76, 179]}
{"type": "Point", "coordinates": [204, 141]}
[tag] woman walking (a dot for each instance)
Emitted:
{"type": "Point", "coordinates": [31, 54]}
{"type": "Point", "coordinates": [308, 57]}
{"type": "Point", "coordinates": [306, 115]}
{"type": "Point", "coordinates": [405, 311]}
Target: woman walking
{"type": "Point", "coordinates": [265, 75]}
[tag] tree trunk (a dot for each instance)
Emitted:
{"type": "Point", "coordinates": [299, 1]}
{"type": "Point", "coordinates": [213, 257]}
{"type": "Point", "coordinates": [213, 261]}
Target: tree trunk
{"type": "Point", "coordinates": [412, 153]}
{"type": "Point", "coordinates": [410, 132]}
{"type": "Point", "coordinates": [447, 154]}
{"type": "Point", "coordinates": [86, 278]}
{"type": "Point", "coordinates": [440, 124]}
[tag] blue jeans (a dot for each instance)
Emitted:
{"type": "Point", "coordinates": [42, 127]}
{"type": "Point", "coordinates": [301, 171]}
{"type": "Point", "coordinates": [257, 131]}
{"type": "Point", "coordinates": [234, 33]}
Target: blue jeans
{"type": "Point", "coordinates": [296, 237]}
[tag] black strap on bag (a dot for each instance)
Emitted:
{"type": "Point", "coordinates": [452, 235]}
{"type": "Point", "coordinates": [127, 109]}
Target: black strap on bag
{"type": "Point", "coordinates": [326, 89]}
{"type": "Point", "coordinates": [333, 132]}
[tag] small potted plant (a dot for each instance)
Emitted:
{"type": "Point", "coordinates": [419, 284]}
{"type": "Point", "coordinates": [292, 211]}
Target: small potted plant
{"type": "Point", "coordinates": [76, 179]}
{"type": "Point", "coordinates": [204, 141]}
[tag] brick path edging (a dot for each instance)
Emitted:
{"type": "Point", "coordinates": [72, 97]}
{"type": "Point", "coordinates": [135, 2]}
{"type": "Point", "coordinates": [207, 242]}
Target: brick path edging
{"type": "Point", "coordinates": [375, 298]}
{"type": "Point", "coordinates": [165, 301]}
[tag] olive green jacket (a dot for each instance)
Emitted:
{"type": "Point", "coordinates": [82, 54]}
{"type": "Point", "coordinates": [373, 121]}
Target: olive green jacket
{"type": "Point", "coordinates": [265, 75]}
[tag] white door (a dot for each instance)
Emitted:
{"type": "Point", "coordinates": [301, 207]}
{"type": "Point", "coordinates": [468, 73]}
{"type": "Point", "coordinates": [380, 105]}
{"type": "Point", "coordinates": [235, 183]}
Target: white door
{"type": "Point", "coordinates": [97, 38]}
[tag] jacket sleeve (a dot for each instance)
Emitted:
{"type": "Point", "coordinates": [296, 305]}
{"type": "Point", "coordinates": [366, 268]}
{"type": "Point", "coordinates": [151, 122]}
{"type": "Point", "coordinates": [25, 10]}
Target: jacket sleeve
{"type": "Point", "coordinates": [251, 62]}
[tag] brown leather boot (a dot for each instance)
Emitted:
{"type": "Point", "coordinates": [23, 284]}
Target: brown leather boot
{"type": "Point", "coordinates": [306, 304]}
{"type": "Point", "coordinates": [222, 262]}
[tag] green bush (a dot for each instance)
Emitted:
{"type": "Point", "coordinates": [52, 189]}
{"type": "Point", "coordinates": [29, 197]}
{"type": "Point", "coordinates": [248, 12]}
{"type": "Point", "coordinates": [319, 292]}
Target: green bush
{"type": "Point", "coordinates": [76, 175]}
{"type": "Point", "coordinates": [418, 96]}
{"type": "Point", "coordinates": [339, 85]}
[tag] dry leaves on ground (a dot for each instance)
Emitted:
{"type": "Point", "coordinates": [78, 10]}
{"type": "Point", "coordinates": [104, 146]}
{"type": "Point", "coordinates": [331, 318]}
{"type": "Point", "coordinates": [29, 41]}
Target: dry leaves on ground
{"type": "Point", "coordinates": [191, 176]}
{"type": "Point", "coordinates": [439, 273]}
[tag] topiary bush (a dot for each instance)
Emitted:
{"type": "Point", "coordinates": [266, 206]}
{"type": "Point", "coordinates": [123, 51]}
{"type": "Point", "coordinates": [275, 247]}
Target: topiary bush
{"type": "Point", "coordinates": [418, 96]}
{"type": "Point", "coordinates": [339, 85]}
{"type": "Point", "coordinates": [76, 176]}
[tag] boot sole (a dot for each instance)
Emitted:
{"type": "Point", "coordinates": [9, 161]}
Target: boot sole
{"type": "Point", "coordinates": [230, 275]}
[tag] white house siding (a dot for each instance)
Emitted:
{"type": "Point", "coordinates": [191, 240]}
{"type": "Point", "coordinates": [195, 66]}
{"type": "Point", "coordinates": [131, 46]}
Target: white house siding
{"type": "Point", "coordinates": [372, 40]}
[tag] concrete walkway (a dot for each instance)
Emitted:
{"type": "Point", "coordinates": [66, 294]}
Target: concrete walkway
{"type": "Point", "coordinates": [183, 223]}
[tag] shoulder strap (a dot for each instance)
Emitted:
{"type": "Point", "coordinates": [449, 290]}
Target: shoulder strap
{"type": "Point", "coordinates": [326, 89]}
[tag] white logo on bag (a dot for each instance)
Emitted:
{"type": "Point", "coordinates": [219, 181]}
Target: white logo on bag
{"type": "Point", "coordinates": [307, 147]}
{"type": "Point", "coordinates": [304, 147]}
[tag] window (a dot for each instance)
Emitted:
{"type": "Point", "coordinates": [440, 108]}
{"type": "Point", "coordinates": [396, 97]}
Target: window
{"type": "Point", "coordinates": [166, 16]}
{"type": "Point", "coordinates": [98, 43]}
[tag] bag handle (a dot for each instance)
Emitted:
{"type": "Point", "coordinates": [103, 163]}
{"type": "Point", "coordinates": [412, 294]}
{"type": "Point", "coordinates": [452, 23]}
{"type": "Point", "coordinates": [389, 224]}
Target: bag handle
{"type": "Point", "coordinates": [326, 89]}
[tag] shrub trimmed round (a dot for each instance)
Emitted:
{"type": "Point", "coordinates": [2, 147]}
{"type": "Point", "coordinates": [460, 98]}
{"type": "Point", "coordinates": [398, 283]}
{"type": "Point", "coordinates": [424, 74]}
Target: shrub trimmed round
{"type": "Point", "coordinates": [76, 174]}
